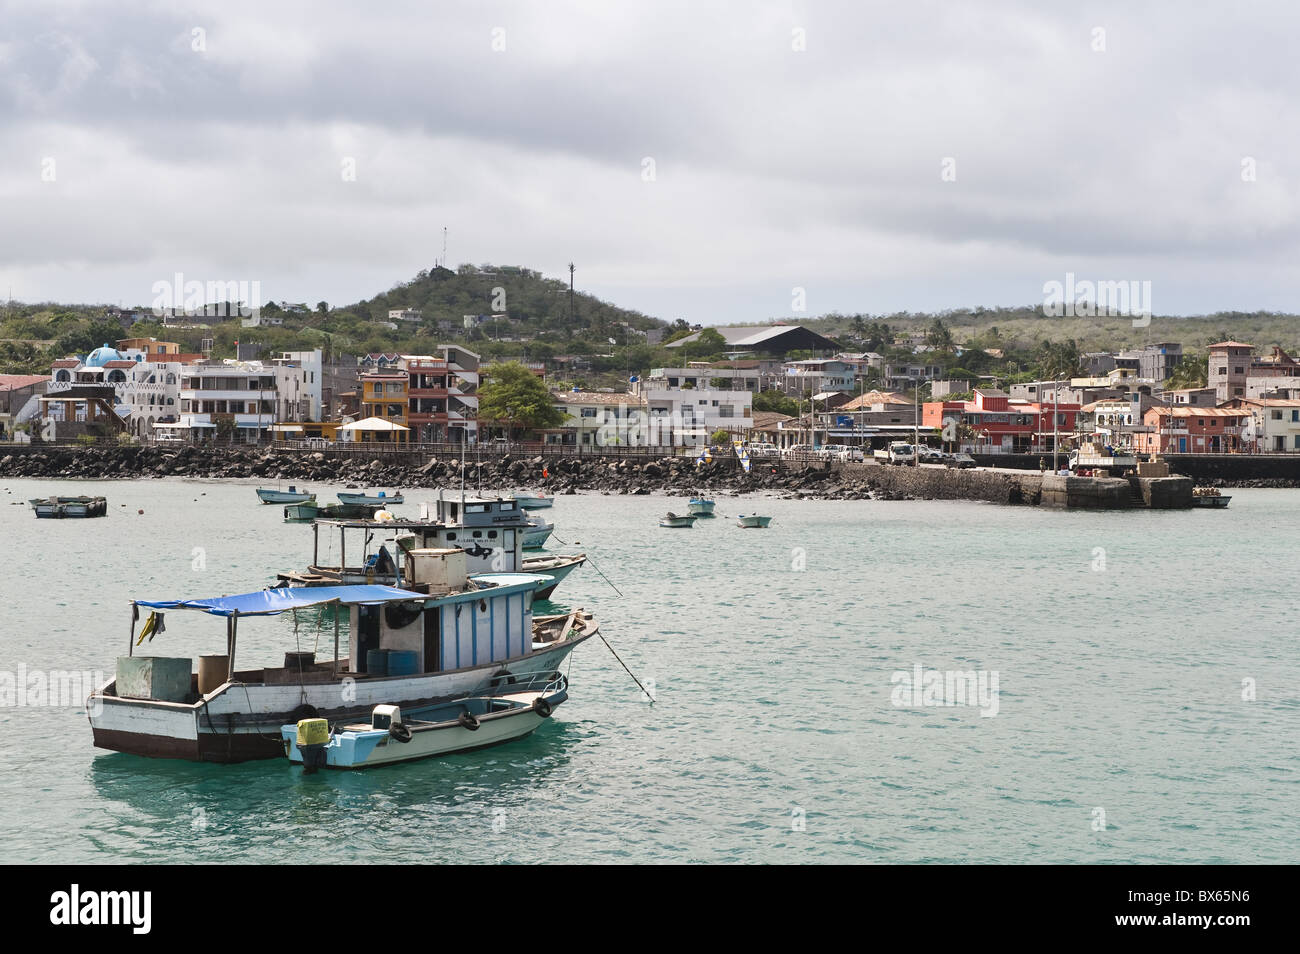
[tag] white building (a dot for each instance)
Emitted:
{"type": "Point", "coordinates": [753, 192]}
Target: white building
{"type": "Point", "coordinates": [687, 416]}
{"type": "Point", "coordinates": [403, 314]}
{"type": "Point", "coordinates": [253, 395]}
{"type": "Point", "coordinates": [599, 419]}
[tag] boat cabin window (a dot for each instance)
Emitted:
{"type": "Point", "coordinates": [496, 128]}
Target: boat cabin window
{"type": "Point", "coordinates": [477, 534]}
{"type": "Point", "coordinates": [451, 536]}
{"type": "Point", "coordinates": [492, 534]}
{"type": "Point", "coordinates": [476, 508]}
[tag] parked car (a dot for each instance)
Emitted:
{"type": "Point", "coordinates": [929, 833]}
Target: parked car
{"type": "Point", "coordinates": [841, 452]}
{"type": "Point", "coordinates": [317, 442]}
{"type": "Point", "coordinates": [799, 450]}
{"type": "Point", "coordinates": [928, 454]}
{"type": "Point", "coordinates": [962, 461]}
{"type": "Point", "coordinates": [168, 437]}
{"type": "Point", "coordinates": [762, 449]}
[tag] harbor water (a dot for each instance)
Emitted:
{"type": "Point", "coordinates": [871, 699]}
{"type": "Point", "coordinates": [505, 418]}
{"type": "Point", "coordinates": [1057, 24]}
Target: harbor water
{"type": "Point", "coordinates": [1146, 707]}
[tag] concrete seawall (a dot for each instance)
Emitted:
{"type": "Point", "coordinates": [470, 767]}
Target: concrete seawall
{"type": "Point", "coordinates": [938, 483]}
{"type": "Point", "coordinates": [1227, 470]}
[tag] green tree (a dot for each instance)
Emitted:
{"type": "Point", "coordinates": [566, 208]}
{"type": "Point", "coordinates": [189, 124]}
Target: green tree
{"type": "Point", "coordinates": [776, 401]}
{"type": "Point", "coordinates": [514, 395]}
{"type": "Point", "coordinates": [1192, 372]}
{"type": "Point", "coordinates": [709, 344]}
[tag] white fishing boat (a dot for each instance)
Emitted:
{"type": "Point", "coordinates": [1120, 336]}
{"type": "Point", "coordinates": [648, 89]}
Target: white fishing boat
{"type": "Point", "coordinates": [59, 507]}
{"type": "Point", "coordinates": [390, 735]}
{"type": "Point", "coordinates": [752, 520]}
{"type": "Point", "coordinates": [676, 520]}
{"type": "Point", "coordinates": [532, 501]}
{"type": "Point", "coordinates": [537, 533]}
{"type": "Point", "coordinates": [491, 531]}
{"type": "Point", "coordinates": [381, 499]}
{"type": "Point", "coordinates": [700, 507]}
{"type": "Point", "coordinates": [458, 638]}
{"type": "Point", "coordinates": [291, 496]}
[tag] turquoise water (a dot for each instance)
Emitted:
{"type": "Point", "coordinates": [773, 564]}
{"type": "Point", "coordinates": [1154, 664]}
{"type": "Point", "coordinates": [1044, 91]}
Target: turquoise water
{"type": "Point", "coordinates": [774, 738]}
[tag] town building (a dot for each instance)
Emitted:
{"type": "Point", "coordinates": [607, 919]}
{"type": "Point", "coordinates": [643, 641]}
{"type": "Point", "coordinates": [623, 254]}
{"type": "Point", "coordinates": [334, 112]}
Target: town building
{"type": "Point", "coordinates": [993, 423]}
{"type": "Point", "coordinates": [442, 391]}
{"type": "Point", "coordinates": [1193, 430]}
{"type": "Point", "coordinates": [777, 340]}
{"type": "Point", "coordinates": [1275, 423]}
{"type": "Point", "coordinates": [599, 419]}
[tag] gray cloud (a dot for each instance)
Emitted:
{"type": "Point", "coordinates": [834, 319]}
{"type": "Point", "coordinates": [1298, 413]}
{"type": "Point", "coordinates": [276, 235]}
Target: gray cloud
{"type": "Point", "coordinates": [774, 168]}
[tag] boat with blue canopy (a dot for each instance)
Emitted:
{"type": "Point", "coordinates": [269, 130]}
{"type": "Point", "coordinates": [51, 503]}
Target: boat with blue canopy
{"type": "Point", "coordinates": [441, 637]}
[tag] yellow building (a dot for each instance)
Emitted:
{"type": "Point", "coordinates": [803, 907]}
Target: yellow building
{"type": "Point", "coordinates": [385, 397]}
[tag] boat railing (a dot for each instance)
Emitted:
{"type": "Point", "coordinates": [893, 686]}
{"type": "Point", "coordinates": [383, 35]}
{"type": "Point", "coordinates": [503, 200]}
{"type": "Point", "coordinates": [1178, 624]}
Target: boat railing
{"type": "Point", "coordinates": [543, 682]}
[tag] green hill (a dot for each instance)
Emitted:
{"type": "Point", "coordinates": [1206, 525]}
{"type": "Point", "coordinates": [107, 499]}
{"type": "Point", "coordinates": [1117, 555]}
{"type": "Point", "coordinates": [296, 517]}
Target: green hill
{"type": "Point", "coordinates": [533, 306]}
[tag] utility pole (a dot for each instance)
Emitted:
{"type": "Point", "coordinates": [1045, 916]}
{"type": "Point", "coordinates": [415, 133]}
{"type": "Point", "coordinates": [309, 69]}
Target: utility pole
{"type": "Point", "coordinates": [1056, 423]}
{"type": "Point", "coordinates": [571, 267]}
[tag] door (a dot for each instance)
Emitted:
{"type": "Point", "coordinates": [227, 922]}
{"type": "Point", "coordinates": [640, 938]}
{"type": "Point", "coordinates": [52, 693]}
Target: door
{"type": "Point", "coordinates": [433, 639]}
{"type": "Point", "coordinates": [367, 633]}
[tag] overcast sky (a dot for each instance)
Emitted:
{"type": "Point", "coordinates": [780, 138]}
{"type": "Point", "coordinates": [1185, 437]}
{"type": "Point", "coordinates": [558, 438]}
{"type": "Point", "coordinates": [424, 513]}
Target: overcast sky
{"type": "Point", "coordinates": [223, 154]}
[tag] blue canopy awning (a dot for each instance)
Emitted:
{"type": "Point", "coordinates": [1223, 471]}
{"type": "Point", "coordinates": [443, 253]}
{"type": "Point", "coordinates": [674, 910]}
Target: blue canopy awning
{"type": "Point", "coordinates": [270, 602]}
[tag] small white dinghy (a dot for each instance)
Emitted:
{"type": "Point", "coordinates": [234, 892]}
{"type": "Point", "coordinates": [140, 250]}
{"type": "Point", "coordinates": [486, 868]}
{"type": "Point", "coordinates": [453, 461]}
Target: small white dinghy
{"type": "Point", "coordinates": [675, 520]}
{"type": "Point", "coordinates": [752, 520]}
{"type": "Point", "coordinates": [462, 725]}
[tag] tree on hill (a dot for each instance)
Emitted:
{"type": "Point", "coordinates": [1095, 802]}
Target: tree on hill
{"type": "Point", "coordinates": [710, 344]}
{"type": "Point", "coordinates": [776, 401]}
{"type": "Point", "coordinates": [514, 396]}
{"type": "Point", "coordinates": [1192, 372]}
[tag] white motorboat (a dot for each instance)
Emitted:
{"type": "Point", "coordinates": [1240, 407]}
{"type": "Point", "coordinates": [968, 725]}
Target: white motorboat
{"type": "Point", "coordinates": [460, 725]}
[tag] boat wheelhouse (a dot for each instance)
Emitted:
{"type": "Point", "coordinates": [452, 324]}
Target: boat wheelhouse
{"type": "Point", "coordinates": [411, 649]}
{"type": "Point", "coordinates": [493, 532]}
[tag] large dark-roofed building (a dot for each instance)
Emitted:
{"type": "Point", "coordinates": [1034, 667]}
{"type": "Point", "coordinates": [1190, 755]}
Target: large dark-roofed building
{"type": "Point", "coordinates": [767, 339]}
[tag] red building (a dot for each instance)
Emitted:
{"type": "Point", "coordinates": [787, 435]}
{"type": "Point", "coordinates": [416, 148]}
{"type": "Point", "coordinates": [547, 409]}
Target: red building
{"type": "Point", "coordinates": [993, 423]}
{"type": "Point", "coordinates": [1182, 429]}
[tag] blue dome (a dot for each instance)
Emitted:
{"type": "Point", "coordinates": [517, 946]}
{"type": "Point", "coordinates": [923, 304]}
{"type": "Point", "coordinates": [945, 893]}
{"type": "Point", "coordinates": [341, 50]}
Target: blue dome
{"type": "Point", "coordinates": [101, 356]}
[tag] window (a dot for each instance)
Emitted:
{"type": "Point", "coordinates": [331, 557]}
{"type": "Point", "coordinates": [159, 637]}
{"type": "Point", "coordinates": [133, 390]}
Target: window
{"type": "Point", "coordinates": [726, 411]}
{"type": "Point", "coordinates": [1277, 414]}
{"type": "Point", "coordinates": [587, 412]}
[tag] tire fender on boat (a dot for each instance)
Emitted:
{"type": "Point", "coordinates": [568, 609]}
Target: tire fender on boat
{"type": "Point", "coordinates": [304, 711]}
{"type": "Point", "coordinates": [542, 707]}
{"type": "Point", "coordinates": [468, 721]}
{"type": "Point", "coordinates": [400, 731]}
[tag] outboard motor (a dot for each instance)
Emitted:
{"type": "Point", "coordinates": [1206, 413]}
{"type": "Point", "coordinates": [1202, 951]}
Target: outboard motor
{"type": "Point", "coordinates": [313, 740]}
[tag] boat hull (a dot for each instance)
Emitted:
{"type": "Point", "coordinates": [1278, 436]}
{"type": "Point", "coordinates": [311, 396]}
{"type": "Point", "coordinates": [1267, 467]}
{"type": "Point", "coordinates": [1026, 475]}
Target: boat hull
{"type": "Point", "coordinates": [700, 508]}
{"type": "Point", "coordinates": [283, 497]}
{"type": "Point", "coordinates": [753, 522]}
{"type": "Point", "coordinates": [240, 722]}
{"type": "Point", "coordinates": [60, 507]}
{"type": "Point", "coordinates": [533, 501]}
{"type": "Point", "coordinates": [535, 536]}
{"type": "Point", "coordinates": [677, 523]}
{"type": "Point", "coordinates": [370, 501]}
{"type": "Point", "coordinates": [357, 750]}
{"type": "Point", "coordinates": [555, 567]}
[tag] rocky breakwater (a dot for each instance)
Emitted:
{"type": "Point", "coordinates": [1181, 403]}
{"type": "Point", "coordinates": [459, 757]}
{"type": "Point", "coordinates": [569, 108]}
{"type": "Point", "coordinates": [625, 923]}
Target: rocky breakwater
{"type": "Point", "coordinates": [671, 475]}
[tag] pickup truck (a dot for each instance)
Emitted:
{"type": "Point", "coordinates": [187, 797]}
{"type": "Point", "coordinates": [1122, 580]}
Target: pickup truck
{"type": "Point", "coordinates": [1090, 456]}
{"type": "Point", "coordinates": [898, 453]}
